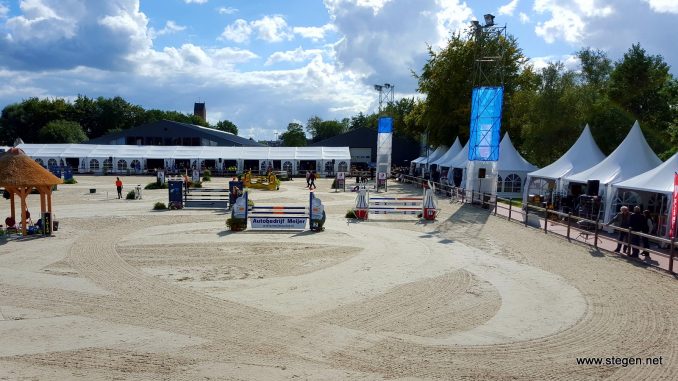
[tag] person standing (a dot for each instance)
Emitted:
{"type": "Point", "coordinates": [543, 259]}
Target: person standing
{"type": "Point", "coordinates": [649, 228]}
{"type": "Point", "coordinates": [308, 179]}
{"type": "Point", "coordinates": [622, 220]}
{"type": "Point", "coordinates": [637, 223]}
{"type": "Point", "coordinates": [311, 179]}
{"type": "Point", "coordinates": [118, 186]}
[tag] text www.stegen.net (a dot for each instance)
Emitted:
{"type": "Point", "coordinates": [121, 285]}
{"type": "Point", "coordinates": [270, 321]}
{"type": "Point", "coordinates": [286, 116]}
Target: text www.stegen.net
{"type": "Point", "coordinates": [620, 361]}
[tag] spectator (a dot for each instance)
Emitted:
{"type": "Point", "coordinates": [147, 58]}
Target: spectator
{"type": "Point", "coordinates": [637, 223]}
{"type": "Point", "coordinates": [118, 186]}
{"type": "Point", "coordinates": [311, 179]}
{"type": "Point", "coordinates": [622, 220]}
{"type": "Point", "coordinates": [308, 179]}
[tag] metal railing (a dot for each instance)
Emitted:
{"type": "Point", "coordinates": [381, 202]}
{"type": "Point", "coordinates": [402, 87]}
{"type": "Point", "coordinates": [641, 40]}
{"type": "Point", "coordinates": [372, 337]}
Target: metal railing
{"type": "Point", "coordinates": [575, 227]}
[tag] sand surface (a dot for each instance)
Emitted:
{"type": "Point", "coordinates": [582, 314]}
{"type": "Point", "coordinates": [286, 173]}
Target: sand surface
{"type": "Point", "coordinates": [123, 292]}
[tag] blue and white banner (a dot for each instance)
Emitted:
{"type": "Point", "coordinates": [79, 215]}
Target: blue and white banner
{"type": "Point", "coordinates": [278, 223]}
{"type": "Point", "coordinates": [486, 109]}
{"type": "Point", "coordinates": [384, 144]}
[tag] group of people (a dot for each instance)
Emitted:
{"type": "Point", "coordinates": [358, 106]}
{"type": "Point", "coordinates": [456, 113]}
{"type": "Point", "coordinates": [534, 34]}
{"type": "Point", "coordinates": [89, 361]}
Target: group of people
{"type": "Point", "coordinates": [637, 222]}
{"type": "Point", "coordinates": [310, 179]}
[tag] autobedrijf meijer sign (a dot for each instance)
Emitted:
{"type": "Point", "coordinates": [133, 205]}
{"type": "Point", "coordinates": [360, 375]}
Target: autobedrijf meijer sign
{"type": "Point", "coordinates": [279, 223]}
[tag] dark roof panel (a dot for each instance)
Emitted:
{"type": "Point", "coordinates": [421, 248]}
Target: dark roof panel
{"type": "Point", "coordinates": [168, 128]}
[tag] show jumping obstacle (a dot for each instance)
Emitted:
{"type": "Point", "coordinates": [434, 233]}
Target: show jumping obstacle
{"type": "Point", "coordinates": [281, 217]}
{"type": "Point", "coordinates": [425, 206]}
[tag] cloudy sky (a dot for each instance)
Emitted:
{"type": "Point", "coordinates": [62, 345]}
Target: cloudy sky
{"type": "Point", "coordinates": [265, 63]}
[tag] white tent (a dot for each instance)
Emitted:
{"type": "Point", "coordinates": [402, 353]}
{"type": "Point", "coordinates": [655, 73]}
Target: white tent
{"type": "Point", "coordinates": [94, 157]}
{"type": "Point", "coordinates": [459, 162]}
{"type": "Point", "coordinates": [583, 155]}
{"type": "Point", "coordinates": [439, 152]}
{"type": "Point", "coordinates": [631, 158]}
{"type": "Point", "coordinates": [512, 169]}
{"type": "Point", "coordinates": [449, 155]}
{"type": "Point", "coordinates": [653, 189]}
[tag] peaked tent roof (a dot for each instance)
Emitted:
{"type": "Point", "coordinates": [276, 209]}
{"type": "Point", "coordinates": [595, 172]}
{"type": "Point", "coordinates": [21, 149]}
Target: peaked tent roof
{"type": "Point", "coordinates": [583, 155]}
{"type": "Point", "coordinates": [633, 157]}
{"type": "Point", "coordinates": [450, 154]}
{"type": "Point", "coordinates": [659, 179]}
{"type": "Point", "coordinates": [432, 156]}
{"type": "Point", "coordinates": [510, 159]}
{"type": "Point", "coordinates": [460, 160]}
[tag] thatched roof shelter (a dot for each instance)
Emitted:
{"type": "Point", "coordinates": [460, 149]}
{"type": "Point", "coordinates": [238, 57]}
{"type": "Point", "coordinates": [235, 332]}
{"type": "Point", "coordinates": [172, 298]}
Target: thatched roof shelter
{"type": "Point", "coordinates": [19, 174]}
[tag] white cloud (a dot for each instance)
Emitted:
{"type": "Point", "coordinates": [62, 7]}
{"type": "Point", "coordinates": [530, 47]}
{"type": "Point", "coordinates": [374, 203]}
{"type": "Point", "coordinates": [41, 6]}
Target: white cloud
{"type": "Point", "coordinates": [569, 19]}
{"type": "Point", "coordinates": [195, 1]}
{"type": "Point", "coordinates": [385, 46]}
{"type": "Point", "coordinates": [524, 18]}
{"type": "Point", "coordinates": [663, 6]}
{"type": "Point", "coordinates": [272, 29]}
{"type": "Point", "coordinates": [296, 55]}
{"type": "Point", "coordinates": [171, 27]}
{"type": "Point", "coordinates": [314, 33]}
{"type": "Point", "coordinates": [571, 62]}
{"type": "Point", "coordinates": [226, 10]}
{"type": "Point", "coordinates": [4, 10]}
{"type": "Point", "coordinates": [268, 28]}
{"type": "Point", "coordinates": [239, 31]}
{"type": "Point", "coordinates": [508, 9]}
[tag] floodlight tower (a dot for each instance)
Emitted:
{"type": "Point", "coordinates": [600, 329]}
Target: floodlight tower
{"type": "Point", "coordinates": [486, 106]}
{"type": "Point", "coordinates": [385, 94]}
{"type": "Point", "coordinates": [488, 62]}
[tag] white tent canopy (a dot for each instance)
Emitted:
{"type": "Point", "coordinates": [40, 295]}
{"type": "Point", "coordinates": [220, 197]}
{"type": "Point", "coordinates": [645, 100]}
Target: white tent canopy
{"type": "Point", "coordinates": [449, 155]}
{"type": "Point", "coordinates": [633, 156]}
{"type": "Point", "coordinates": [658, 180]}
{"type": "Point", "coordinates": [88, 152]}
{"type": "Point", "coordinates": [583, 155]}
{"type": "Point", "coordinates": [509, 158]}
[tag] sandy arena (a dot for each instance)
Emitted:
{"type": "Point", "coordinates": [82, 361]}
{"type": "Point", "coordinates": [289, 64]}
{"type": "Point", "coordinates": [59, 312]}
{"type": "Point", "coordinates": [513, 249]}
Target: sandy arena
{"type": "Point", "coordinates": [122, 292]}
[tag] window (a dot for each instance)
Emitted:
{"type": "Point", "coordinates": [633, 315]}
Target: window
{"type": "Point", "coordinates": [512, 183]}
{"type": "Point", "coordinates": [287, 166]}
{"type": "Point", "coordinates": [329, 167]}
{"type": "Point", "coordinates": [265, 165]}
{"type": "Point", "coordinates": [135, 164]}
{"type": "Point", "coordinates": [39, 161]}
{"type": "Point", "coordinates": [122, 165]}
{"type": "Point", "coordinates": [94, 165]}
{"type": "Point", "coordinates": [343, 166]}
{"type": "Point", "coordinates": [108, 165]}
{"type": "Point", "coordinates": [52, 163]}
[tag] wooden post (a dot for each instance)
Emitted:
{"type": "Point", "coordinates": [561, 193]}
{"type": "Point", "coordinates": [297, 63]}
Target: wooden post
{"type": "Point", "coordinates": [569, 224]}
{"type": "Point", "coordinates": [510, 207]}
{"type": "Point", "coordinates": [595, 234]}
{"type": "Point", "coordinates": [671, 254]}
{"type": "Point", "coordinates": [527, 212]}
{"type": "Point", "coordinates": [495, 205]}
{"type": "Point", "coordinates": [628, 241]}
{"type": "Point", "coordinates": [11, 205]}
{"type": "Point", "coordinates": [49, 200]}
{"type": "Point", "coordinates": [22, 195]}
{"type": "Point", "coordinates": [546, 220]}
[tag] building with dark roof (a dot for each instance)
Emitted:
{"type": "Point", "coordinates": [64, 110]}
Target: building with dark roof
{"type": "Point", "coordinates": [363, 146]}
{"type": "Point", "coordinates": [169, 133]}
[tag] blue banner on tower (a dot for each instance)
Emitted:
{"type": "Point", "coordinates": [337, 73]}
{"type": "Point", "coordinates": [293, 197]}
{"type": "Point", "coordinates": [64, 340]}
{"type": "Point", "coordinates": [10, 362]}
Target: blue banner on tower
{"type": "Point", "coordinates": [385, 125]}
{"type": "Point", "coordinates": [486, 109]}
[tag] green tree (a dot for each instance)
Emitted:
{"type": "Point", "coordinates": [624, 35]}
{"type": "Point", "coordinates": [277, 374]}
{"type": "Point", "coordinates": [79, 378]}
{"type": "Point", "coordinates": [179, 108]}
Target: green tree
{"type": "Point", "coordinates": [447, 80]}
{"type": "Point", "coordinates": [549, 117]}
{"type": "Point", "coordinates": [359, 121]}
{"type": "Point", "coordinates": [640, 83]}
{"type": "Point", "coordinates": [320, 130]}
{"type": "Point", "coordinates": [24, 120]}
{"type": "Point", "coordinates": [62, 131]}
{"type": "Point", "coordinates": [227, 126]}
{"type": "Point", "coordinates": [294, 136]}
